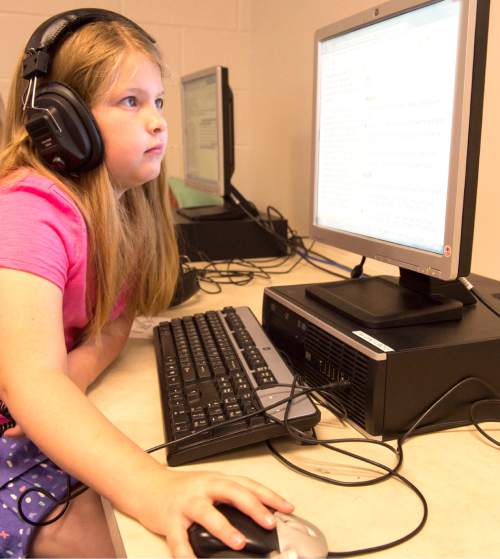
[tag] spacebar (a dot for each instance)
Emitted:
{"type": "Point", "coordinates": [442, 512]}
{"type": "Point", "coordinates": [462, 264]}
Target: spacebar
{"type": "Point", "coordinates": [235, 427]}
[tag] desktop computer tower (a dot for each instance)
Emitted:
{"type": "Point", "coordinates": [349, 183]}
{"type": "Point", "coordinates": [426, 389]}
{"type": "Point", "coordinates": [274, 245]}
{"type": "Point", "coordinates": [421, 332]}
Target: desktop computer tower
{"type": "Point", "coordinates": [389, 377]}
{"type": "Point", "coordinates": [231, 238]}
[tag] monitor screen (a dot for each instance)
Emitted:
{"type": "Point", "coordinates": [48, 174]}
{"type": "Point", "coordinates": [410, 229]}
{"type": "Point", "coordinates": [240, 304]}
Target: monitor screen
{"type": "Point", "coordinates": [205, 130]}
{"type": "Point", "coordinates": [397, 132]}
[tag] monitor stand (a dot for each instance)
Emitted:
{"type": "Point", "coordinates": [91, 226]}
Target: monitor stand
{"type": "Point", "coordinates": [212, 213]}
{"type": "Point", "coordinates": [235, 206]}
{"type": "Point", "coordinates": [383, 302]}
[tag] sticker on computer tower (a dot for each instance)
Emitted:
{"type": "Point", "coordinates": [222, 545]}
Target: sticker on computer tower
{"type": "Point", "coordinates": [372, 340]}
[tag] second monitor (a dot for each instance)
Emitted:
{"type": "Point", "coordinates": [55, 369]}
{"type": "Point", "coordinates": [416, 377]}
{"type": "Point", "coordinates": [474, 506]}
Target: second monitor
{"type": "Point", "coordinates": [208, 141]}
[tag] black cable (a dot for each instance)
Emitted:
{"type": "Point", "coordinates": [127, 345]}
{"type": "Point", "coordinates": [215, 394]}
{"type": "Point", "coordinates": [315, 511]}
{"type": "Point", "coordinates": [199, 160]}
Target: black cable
{"type": "Point", "coordinates": [303, 391]}
{"type": "Point", "coordinates": [312, 263]}
{"type": "Point", "coordinates": [484, 302]}
{"type": "Point", "coordinates": [81, 488]}
{"type": "Point", "coordinates": [412, 431]}
{"type": "Point", "coordinates": [49, 496]}
{"type": "Point", "coordinates": [443, 397]}
{"type": "Point", "coordinates": [293, 244]}
{"type": "Point", "coordinates": [373, 549]}
{"type": "Point", "coordinates": [214, 275]}
{"type": "Point", "coordinates": [301, 437]}
{"type": "Point", "coordinates": [340, 414]}
{"type": "Point", "coordinates": [391, 472]}
{"type": "Point", "coordinates": [475, 421]}
{"type": "Point", "coordinates": [468, 285]}
{"type": "Point", "coordinates": [357, 271]}
{"type": "Point", "coordinates": [298, 435]}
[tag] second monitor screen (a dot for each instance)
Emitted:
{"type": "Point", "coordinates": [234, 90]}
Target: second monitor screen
{"type": "Point", "coordinates": [201, 128]}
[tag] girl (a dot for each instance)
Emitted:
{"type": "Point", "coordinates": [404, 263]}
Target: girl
{"type": "Point", "coordinates": [80, 256]}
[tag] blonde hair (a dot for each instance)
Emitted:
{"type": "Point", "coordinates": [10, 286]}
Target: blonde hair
{"type": "Point", "coordinates": [132, 244]}
{"type": "Point", "coordinates": [2, 116]}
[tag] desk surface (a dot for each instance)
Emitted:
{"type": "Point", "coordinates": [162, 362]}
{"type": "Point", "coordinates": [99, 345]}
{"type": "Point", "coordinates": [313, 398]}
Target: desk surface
{"type": "Point", "coordinates": [455, 470]}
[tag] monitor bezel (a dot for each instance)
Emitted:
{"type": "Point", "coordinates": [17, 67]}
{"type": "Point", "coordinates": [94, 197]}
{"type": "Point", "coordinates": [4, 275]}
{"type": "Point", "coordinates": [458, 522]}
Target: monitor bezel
{"type": "Point", "coordinates": [464, 161]}
{"type": "Point", "coordinates": [218, 187]}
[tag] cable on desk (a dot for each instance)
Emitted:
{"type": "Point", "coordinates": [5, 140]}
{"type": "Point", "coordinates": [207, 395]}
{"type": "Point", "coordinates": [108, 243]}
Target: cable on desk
{"type": "Point", "coordinates": [476, 422]}
{"type": "Point", "coordinates": [391, 472]}
{"type": "Point", "coordinates": [293, 242]}
{"type": "Point", "coordinates": [298, 391]}
{"type": "Point", "coordinates": [239, 271]}
{"type": "Point", "coordinates": [81, 488]}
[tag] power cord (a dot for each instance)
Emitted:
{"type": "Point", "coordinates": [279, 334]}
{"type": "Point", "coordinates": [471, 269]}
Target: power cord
{"type": "Point", "coordinates": [294, 243]}
{"type": "Point", "coordinates": [357, 271]}
{"type": "Point", "coordinates": [468, 285]}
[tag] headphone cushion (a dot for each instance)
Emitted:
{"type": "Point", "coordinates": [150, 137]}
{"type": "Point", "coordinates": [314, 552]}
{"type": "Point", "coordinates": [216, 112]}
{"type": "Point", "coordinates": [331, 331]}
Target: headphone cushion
{"type": "Point", "coordinates": [64, 132]}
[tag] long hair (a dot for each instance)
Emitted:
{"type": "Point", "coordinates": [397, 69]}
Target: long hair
{"type": "Point", "coordinates": [132, 244]}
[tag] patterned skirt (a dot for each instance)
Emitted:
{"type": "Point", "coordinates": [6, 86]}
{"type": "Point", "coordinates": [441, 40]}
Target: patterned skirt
{"type": "Point", "coordinates": [22, 467]}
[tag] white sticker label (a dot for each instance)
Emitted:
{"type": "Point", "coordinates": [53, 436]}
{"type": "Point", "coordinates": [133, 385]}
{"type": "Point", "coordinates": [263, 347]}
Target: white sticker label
{"type": "Point", "coordinates": [372, 340]}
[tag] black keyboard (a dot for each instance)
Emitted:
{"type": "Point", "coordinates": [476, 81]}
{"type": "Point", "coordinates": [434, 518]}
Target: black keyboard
{"type": "Point", "coordinates": [214, 369]}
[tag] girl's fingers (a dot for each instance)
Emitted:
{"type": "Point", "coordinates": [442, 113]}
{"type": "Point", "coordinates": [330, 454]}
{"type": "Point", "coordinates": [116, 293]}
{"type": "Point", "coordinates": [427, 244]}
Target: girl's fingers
{"type": "Point", "coordinates": [178, 541]}
{"type": "Point", "coordinates": [265, 495]}
{"type": "Point", "coordinates": [250, 497]}
{"type": "Point", "coordinates": [14, 432]}
{"type": "Point", "coordinates": [246, 499]}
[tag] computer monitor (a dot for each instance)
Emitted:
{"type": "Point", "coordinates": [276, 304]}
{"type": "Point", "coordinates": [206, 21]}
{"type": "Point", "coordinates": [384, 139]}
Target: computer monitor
{"type": "Point", "coordinates": [397, 127]}
{"type": "Point", "coordinates": [208, 141]}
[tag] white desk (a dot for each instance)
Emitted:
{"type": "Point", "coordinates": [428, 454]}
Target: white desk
{"type": "Point", "coordinates": [457, 471]}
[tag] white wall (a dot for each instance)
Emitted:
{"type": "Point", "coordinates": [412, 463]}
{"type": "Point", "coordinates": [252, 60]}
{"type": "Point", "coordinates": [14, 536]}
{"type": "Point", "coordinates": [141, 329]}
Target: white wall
{"type": "Point", "coordinates": [268, 47]}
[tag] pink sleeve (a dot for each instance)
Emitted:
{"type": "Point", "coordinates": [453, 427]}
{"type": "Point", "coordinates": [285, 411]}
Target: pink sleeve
{"type": "Point", "coordinates": [41, 232]}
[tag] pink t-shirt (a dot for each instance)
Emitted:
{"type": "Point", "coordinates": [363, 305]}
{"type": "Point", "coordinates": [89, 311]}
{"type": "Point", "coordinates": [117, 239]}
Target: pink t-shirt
{"type": "Point", "coordinates": [43, 232]}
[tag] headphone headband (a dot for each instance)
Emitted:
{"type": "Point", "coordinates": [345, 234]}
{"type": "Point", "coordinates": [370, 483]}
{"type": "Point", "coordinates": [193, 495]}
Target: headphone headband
{"type": "Point", "coordinates": [52, 32]}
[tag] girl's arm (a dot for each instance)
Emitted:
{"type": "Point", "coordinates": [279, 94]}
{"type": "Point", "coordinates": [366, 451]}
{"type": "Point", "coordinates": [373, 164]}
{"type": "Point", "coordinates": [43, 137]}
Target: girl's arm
{"type": "Point", "coordinates": [58, 418]}
{"type": "Point", "coordinates": [88, 360]}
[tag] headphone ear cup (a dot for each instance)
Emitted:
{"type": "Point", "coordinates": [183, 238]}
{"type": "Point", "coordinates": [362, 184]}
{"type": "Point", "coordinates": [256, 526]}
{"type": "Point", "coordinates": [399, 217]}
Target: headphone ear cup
{"type": "Point", "coordinates": [63, 130]}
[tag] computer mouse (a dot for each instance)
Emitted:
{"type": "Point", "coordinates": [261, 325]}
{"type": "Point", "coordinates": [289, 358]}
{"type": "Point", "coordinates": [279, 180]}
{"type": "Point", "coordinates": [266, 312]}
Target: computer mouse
{"type": "Point", "coordinates": [290, 534]}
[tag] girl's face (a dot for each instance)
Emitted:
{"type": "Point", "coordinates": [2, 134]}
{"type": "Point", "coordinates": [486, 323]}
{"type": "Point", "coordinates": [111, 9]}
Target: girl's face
{"type": "Point", "coordinates": [131, 123]}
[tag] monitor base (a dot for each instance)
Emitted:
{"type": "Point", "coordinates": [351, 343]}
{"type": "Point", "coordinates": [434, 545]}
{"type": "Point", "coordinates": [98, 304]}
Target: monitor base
{"type": "Point", "coordinates": [212, 213]}
{"type": "Point", "coordinates": [381, 302]}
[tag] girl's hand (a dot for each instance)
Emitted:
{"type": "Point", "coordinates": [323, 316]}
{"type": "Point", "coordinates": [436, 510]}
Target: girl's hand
{"type": "Point", "coordinates": [14, 432]}
{"type": "Point", "coordinates": [190, 497]}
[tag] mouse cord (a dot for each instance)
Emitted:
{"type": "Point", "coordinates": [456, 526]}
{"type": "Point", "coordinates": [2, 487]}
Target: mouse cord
{"type": "Point", "coordinates": [391, 472]}
{"type": "Point", "coordinates": [325, 479]}
{"type": "Point", "coordinates": [302, 390]}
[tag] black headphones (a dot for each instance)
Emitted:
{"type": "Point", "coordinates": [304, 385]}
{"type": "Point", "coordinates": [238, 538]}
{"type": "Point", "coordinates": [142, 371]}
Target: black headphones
{"type": "Point", "coordinates": [62, 128]}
